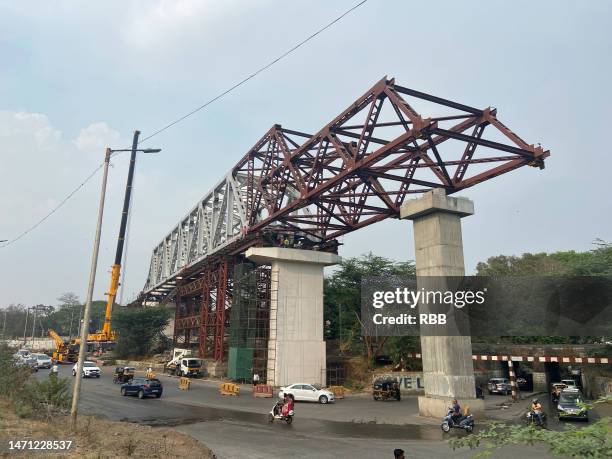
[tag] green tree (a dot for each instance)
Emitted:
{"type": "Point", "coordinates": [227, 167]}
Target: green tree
{"type": "Point", "coordinates": [66, 318]}
{"type": "Point", "coordinates": [69, 301]}
{"type": "Point", "coordinates": [595, 262]}
{"type": "Point", "coordinates": [139, 329]}
{"type": "Point", "coordinates": [343, 298]}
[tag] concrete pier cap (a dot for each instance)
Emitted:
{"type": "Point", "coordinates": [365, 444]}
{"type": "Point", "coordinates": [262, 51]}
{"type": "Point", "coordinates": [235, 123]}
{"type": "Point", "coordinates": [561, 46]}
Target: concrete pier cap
{"type": "Point", "coordinates": [448, 369]}
{"type": "Point", "coordinates": [263, 255]}
{"type": "Point", "coordinates": [296, 348]}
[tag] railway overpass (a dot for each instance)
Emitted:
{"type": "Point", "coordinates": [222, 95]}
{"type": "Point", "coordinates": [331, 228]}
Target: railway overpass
{"type": "Point", "coordinates": [244, 267]}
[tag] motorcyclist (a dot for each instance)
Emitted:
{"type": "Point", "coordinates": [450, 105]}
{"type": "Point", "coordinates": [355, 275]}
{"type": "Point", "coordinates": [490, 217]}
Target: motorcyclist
{"type": "Point", "coordinates": [536, 409]}
{"type": "Point", "coordinates": [288, 406]}
{"type": "Point", "coordinates": [456, 411]}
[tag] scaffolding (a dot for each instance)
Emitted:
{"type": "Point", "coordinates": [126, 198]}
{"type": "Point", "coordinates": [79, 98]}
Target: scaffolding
{"type": "Point", "coordinates": [201, 318]}
{"type": "Point", "coordinates": [249, 322]}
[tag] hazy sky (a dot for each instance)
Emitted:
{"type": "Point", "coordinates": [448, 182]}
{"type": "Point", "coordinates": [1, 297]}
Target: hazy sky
{"type": "Point", "coordinates": [76, 77]}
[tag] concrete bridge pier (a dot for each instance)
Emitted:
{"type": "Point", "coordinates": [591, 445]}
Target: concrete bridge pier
{"type": "Point", "coordinates": [448, 371]}
{"type": "Point", "coordinates": [296, 348]}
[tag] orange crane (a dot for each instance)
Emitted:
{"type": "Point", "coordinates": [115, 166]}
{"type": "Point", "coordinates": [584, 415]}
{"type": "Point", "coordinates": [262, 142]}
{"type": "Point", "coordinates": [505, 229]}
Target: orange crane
{"type": "Point", "coordinates": [107, 334]}
{"type": "Point", "coordinates": [65, 351]}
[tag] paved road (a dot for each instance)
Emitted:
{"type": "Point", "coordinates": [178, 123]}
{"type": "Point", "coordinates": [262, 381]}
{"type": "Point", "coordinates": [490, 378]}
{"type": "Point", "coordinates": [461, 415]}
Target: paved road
{"type": "Point", "coordinates": [236, 427]}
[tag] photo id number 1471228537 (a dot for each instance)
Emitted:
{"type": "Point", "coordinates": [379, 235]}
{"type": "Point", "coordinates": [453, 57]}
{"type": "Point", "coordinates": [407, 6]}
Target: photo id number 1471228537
{"type": "Point", "coordinates": [40, 444]}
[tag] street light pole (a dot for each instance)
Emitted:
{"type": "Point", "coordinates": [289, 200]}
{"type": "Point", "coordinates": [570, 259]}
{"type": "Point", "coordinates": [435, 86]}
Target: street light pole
{"type": "Point", "coordinates": [94, 263]}
{"type": "Point", "coordinates": [90, 288]}
{"type": "Point", "coordinates": [4, 325]}
{"type": "Point", "coordinates": [33, 325]}
{"type": "Point", "coordinates": [25, 326]}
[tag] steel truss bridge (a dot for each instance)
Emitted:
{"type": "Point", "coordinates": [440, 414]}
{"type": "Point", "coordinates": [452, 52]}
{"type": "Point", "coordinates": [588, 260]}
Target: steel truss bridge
{"type": "Point", "coordinates": [357, 170]}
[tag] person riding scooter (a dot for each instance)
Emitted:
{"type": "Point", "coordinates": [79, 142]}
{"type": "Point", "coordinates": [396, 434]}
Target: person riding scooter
{"type": "Point", "coordinates": [288, 405]}
{"type": "Point", "coordinates": [456, 411]}
{"type": "Point", "coordinates": [282, 410]}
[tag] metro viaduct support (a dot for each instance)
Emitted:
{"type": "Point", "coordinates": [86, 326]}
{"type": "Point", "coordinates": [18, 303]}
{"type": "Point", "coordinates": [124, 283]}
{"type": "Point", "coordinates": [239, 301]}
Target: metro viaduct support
{"type": "Point", "coordinates": [448, 369]}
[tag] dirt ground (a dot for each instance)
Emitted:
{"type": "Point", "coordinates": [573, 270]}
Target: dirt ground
{"type": "Point", "coordinates": [96, 438]}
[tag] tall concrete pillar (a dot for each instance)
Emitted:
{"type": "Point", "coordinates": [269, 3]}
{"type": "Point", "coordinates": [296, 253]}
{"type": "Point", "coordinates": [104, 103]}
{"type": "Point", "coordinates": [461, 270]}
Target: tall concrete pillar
{"type": "Point", "coordinates": [296, 349]}
{"type": "Point", "coordinates": [541, 381]}
{"type": "Point", "coordinates": [448, 371]}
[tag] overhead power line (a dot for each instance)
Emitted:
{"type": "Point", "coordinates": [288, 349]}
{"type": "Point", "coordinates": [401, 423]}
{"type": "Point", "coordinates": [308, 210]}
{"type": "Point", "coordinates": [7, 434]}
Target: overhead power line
{"type": "Point", "coordinates": [254, 74]}
{"type": "Point", "coordinates": [192, 112]}
{"type": "Point", "coordinates": [55, 209]}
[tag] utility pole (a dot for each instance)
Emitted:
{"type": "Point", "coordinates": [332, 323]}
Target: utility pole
{"type": "Point", "coordinates": [4, 325]}
{"type": "Point", "coordinates": [34, 310]}
{"type": "Point", "coordinates": [25, 326]}
{"type": "Point", "coordinates": [90, 288]}
{"type": "Point", "coordinates": [109, 335]}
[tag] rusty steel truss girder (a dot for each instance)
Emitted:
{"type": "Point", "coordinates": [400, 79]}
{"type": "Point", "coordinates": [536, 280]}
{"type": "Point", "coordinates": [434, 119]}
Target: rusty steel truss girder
{"type": "Point", "coordinates": [355, 171]}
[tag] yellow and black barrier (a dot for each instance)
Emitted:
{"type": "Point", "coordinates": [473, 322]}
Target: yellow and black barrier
{"type": "Point", "coordinates": [184, 383]}
{"type": "Point", "coordinates": [229, 389]}
{"type": "Point", "coordinates": [338, 391]}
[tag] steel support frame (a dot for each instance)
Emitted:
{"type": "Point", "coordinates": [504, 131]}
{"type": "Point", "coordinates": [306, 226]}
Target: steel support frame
{"type": "Point", "coordinates": [212, 291]}
{"type": "Point", "coordinates": [357, 170]}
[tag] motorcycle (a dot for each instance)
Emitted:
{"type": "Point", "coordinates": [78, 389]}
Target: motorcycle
{"type": "Point", "coordinates": [533, 420]}
{"type": "Point", "coordinates": [465, 422]}
{"type": "Point", "coordinates": [276, 414]}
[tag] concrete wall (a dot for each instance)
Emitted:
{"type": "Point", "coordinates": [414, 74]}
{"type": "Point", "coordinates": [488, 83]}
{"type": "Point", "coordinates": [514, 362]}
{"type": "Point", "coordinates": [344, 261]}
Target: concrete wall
{"type": "Point", "coordinates": [39, 344]}
{"type": "Point", "coordinates": [410, 381]}
{"type": "Point", "coordinates": [597, 386]}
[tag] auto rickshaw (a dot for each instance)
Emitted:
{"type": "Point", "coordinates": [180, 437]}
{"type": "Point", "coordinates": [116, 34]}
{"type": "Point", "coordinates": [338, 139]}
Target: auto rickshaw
{"type": "Point", "coordinates": [123, 375]}
{"type": "Point", "coordinates": [386, 388]}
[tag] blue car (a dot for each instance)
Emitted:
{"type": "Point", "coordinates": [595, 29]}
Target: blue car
{"type": "Point", "coordinates": [142, 387]}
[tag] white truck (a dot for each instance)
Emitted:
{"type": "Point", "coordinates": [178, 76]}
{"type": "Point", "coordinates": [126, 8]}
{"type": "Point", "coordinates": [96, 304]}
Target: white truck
{"type": "Point", "coordinates": [183, 364]}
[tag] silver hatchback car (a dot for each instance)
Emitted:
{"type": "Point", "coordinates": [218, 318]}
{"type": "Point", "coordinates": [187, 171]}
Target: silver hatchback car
{"type": "Point", "coordinates": [499, 386]}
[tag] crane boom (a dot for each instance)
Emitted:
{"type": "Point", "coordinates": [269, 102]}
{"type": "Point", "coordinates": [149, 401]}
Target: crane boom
{"type": "Point", "coordinates": [59, 341]}
{"type": "Point", "coordinates": [64, 351]}
{"type": "Point", "coordinates": [107, 333]}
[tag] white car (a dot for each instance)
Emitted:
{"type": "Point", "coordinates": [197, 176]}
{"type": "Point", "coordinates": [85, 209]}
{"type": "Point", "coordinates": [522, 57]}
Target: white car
{"type": "Point", "coordinates": [42, 360]}
{"type": "Point", "coordinates": [90, 370]}
{"type": "Point", "coordinates": [303, 392]}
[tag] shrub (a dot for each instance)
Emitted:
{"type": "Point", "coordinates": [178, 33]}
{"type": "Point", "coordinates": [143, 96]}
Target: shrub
{"type": "Point", "coordinates": [43, 398]}
{"type": "Point", "coordinates": [12, 376]}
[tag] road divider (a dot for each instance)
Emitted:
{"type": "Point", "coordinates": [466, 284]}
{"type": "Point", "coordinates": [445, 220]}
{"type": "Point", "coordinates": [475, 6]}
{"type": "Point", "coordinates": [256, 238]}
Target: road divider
{"type": "Point", "coordinates": [262, 391]}
{"type": "Point", "coordinates": [338, 391]}
{"type": "Point", "coordinates": [184, 383]}
{"type": "Point", "coordinates": [229, 389]}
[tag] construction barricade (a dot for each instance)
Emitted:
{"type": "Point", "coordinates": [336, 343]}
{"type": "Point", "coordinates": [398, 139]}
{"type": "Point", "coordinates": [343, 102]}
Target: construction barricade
{"type": "Point", "coordinates": [229, 389]}
{"type": "Point", "coordinates": [150, 374]}
{"type": "Point", "coordinates": [184, 383]}
{"type": "Point", "coordinates": [338, 391]}
{"type": "Point", "coordinates": [262, 391]}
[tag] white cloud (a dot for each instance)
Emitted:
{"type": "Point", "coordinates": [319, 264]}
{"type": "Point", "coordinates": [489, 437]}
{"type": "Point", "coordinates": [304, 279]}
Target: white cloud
{"type": "Point", "coordinates": [96, 137]}
{"type": "Point", "coordinates": [40, 167]}
{"type": "Point", "coordinates": [35, 126]}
